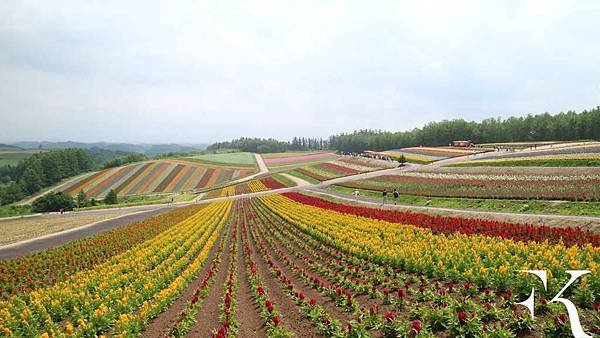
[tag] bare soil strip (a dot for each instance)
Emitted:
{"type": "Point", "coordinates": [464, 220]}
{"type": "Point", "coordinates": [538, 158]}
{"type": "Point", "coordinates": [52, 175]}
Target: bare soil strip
{"type": "Point", "coordinates": [208, 316]}
{"type": "Point", "coordinates": [158, 326]}
{"type": "Point", "coordinates": [310, 292]}
{"type": "Point", "coordinates": [290, 314]}
{"type": "Point", "coordinates": [249, 321]}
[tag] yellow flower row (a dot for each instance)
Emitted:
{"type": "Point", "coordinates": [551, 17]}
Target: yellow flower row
{"type": "Point", "coordinates": [228, 191]}
{"type": "Point", "coordinates": [256, 186]}
{"type": "Point", "coordinates": [116, 286]}
{"type": "Point", "coordinates": [489, 260]}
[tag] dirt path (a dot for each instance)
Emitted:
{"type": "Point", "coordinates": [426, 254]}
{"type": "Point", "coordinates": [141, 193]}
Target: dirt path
{"type": "Point", "coordinates": [207, 317]}
{"type": "Point", "coordinates": [261, 164]}
{"type": "Point", "coordinates": [299, 182]}
{"type": "Point", "coordinates": [249, 321]}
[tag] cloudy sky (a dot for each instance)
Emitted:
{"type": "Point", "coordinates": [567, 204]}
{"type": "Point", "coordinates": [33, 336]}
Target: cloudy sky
{"type": "Point", "coordinates": [202, 71]}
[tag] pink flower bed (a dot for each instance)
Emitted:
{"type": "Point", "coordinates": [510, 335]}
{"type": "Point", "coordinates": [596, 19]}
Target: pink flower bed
{"type": "Point", "coordinates": [297, 158]}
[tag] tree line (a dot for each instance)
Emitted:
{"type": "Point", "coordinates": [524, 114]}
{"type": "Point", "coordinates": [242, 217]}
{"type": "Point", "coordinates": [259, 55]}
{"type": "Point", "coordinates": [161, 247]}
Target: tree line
{"type": "Point", "coordinates": [270, 145]}
{"type": "Point", "coordinates": [542, 127]}
{"type": "Point", "coordinates": [42, 170]}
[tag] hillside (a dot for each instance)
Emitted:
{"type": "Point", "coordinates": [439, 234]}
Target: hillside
{"type": "Point", "coordinates": [147, 149]}
{"type": "Point", "coordinates": [8, 147]}
{"type": "Point", "coordinates": [154, 177]}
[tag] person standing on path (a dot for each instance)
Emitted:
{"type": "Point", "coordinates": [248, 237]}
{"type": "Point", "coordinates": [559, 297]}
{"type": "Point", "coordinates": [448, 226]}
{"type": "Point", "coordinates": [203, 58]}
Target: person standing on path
{"type": "Point", "coordinates": [384, 196]}
{"type": "Point", "coordinates": [356, 193]}
{"type": "Point", "coordinates": [396, 194]}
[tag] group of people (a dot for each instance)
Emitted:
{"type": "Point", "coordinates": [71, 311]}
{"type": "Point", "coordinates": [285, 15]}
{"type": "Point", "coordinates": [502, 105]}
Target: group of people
{"type": "Point", "coordinates": [384, 195]}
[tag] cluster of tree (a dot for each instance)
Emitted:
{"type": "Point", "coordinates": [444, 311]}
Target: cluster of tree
{"type": "Point", "coordinates": [62, 201]}
{"type": "Point", "coordinates": [543, 127]}
{"type": "Point", "coordinates": [42, 170]}
{"type": "Point", "coordinates": [264, 145]}
{"type": "Point", "coordinates": [53, 202]}
{"type": "Point", "coordinates": [122, 160]}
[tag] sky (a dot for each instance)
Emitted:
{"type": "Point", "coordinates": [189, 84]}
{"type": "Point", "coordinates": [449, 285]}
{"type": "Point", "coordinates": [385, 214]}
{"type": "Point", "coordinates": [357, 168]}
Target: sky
{"type": "Point", "coordinates": [204, 71]}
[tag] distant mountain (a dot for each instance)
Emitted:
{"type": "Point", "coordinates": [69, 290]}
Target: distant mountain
{"type": "Point", "coordinates": [8, 147]}
{"type": "Point", "coordinates": [148, 149]}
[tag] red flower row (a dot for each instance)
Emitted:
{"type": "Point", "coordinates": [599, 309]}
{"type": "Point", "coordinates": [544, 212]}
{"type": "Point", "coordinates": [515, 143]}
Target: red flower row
{"type": "Point", "coordinates": [513, 231]}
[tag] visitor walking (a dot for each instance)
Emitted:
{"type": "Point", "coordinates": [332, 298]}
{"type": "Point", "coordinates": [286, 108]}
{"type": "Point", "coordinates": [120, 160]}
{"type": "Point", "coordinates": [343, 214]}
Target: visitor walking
{"type": "Point", "coordinates": [384, 196]}
{"type": "Point", "coordinates": [396, 195]}
{"type": "Point", "coordinates": [356, 193]}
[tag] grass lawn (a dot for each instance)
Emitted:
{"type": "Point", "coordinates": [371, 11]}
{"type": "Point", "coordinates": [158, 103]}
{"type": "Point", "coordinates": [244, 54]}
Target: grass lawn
{"type": "Point", "coordinates": [240, 159]}
{"type": "Point", "coordinates": [524, 206]}
{"type": "Point", "coordinates": [304, 177]}
{"type": "Point", "coordinates": [286, 181]}
{"type": "Point", "coordinates": [13, 158]}
{"type": "Point", "coordinates": [15, 210]}
{"type": "Point", "coordinates": [289, 154]}
{"type": "Point", "coordinates": [129, 201]}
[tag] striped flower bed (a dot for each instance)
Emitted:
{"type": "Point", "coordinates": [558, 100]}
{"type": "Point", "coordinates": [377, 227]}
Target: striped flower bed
{"type": "Point", "coordinates": [154, 177]}
{"type": "Point", "coordinates": [432, 154]}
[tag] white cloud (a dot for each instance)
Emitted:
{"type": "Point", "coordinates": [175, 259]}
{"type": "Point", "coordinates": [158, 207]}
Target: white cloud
{"type": "Point", "coordinates": [193, 71]}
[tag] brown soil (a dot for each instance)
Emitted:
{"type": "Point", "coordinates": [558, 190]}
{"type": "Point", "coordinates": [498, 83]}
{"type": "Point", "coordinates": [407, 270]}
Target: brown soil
{"type": "Point", "coordinates": [207, 317]}
{"type": "Point", "coordinates": [308, 289]}
{"type": "Point", "coordinates": [250, 324]}
{"type": "Point", "coordinates": [159, 325]}
{"type": "Point", "coordinates": [290, 314]}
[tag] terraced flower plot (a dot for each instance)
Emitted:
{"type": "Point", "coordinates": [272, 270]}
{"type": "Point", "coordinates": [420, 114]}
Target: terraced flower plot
{"type": "Point", "coordinates": [155, 177]}
{"type": "Point", "coordinates": [277, 160]}
{"type": "Point", "coordinates": [432, 154]}
{"type": "Point", "coordinates": [344, 166]}
{"type": "Point", "coordinates": [578, 155]}
{"type": "Point", "coordinates": [558, 184]}
{"type": "Point", "coordinates": [255, 185]}
{"type": "Point", "coordinates": [295, 265]}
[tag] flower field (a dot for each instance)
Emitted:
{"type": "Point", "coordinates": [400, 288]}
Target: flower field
{"type": "Point", "coordinates": [344, 166]}
{"type": "Point", "coordinates": [155, 177]}
{"type": "Point", "coordinates": [585, 154]}
{"type": "Point", "coordinates": [514, 186]}
{"type": "Point", "coordinates": [431, 154]}
{"type": "Point", "coordinates": [283, 160]}
{"type": "Point", "coordinates": [255, 185]}
{"type": "Point", "coordinates": [296, 265]}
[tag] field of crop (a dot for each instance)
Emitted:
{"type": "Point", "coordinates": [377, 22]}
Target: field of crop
{"type": "Point", "coordinates": [13, 157]}
{"type": "Point", "coordinates": [295, 265]}
{"type": "Point", "coordinates": [568, 155]}
{"type": "Point", "coordinates": [276, 160]}
{"type": "Point", "coordinates": [543, 183]}
{"type": "Point", "coordinates": [343, 166]}
{"type": "Point", "coordinates": [153, 177]}
{"type": "Point", "coordinates": [242, 159]}
{"type": "Point", "coordinates": [423, 155]}
{"type": "Point", "coordinates": [255, 185]}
